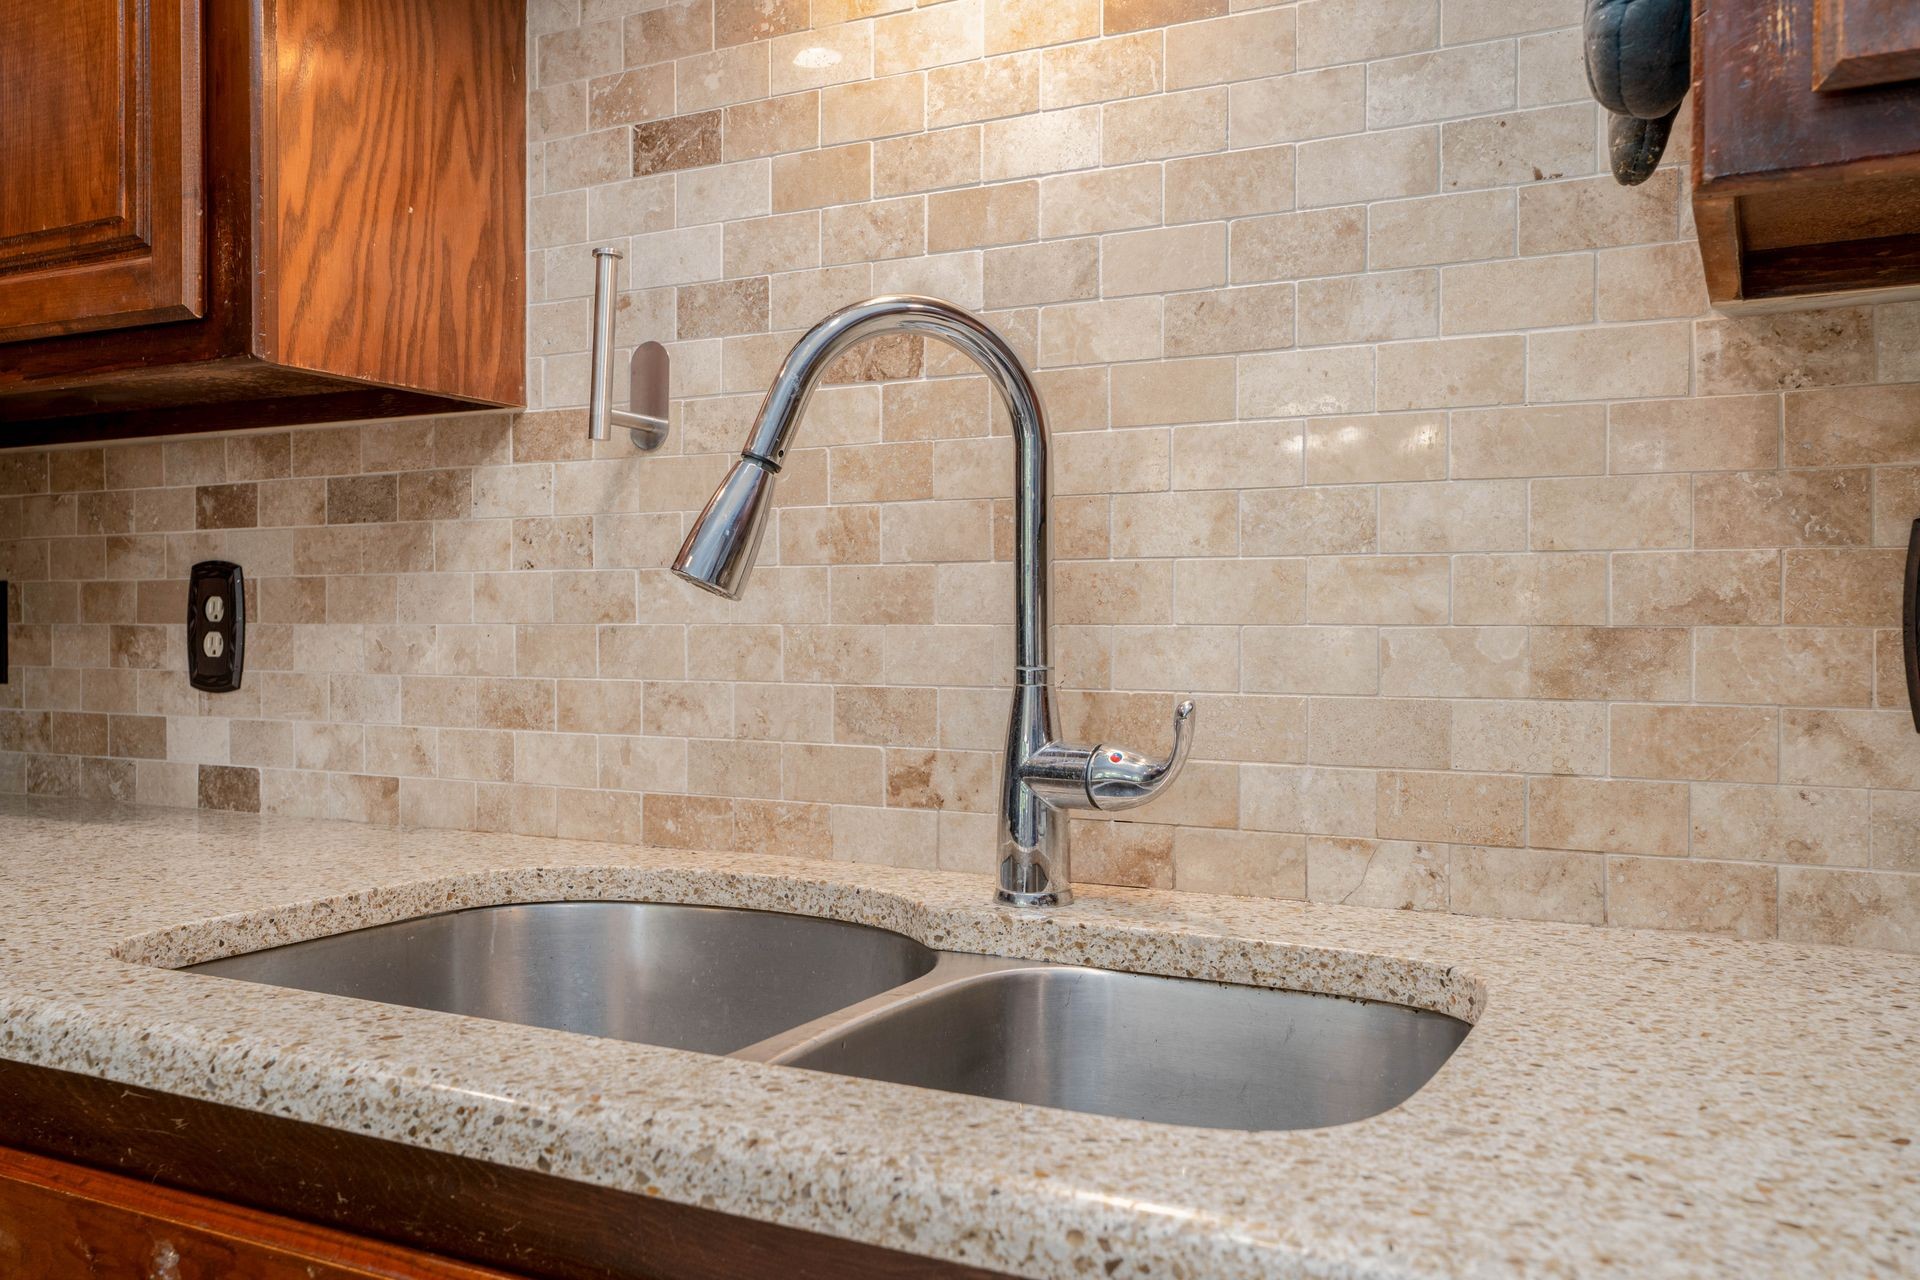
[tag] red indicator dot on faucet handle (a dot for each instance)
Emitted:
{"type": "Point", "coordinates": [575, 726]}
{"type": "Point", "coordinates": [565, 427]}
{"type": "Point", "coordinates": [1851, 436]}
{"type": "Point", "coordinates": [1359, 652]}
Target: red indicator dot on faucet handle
{"type": "Point", "coordinates": [1114, 756]}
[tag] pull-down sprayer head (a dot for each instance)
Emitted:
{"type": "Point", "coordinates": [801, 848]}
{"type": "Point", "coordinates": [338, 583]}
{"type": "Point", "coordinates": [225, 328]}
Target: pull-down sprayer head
{"type": "Point", "coordinates": [718, 555]}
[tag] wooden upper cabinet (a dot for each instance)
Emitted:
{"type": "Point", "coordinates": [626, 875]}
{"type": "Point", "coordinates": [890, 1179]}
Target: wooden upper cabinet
{"type": "Point", "coordinates": [100, 145]}
{"type": "Point", "coordinates": [258, 212]}
{"type": "Point", "coordinates": [1806, 193]}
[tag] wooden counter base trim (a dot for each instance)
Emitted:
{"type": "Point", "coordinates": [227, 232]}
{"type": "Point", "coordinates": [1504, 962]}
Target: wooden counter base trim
{"type": "Point", "coordinates": [522, 1222]}
{"type": "Point", "coordinates": [62, 1221]}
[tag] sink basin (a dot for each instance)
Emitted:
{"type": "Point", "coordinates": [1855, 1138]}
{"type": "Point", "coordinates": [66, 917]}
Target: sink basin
{"type": "Point", "coordinates": [858, 1001]}
{"type": "Point", "coordinates": [1174, 1050]}
{"type": "Point", "coordinates": [708, 978]}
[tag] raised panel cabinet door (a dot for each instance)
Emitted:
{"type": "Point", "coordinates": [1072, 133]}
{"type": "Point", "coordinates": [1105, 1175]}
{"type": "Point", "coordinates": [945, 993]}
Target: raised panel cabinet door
{"type": "Point", "coordinates": [100, 165]}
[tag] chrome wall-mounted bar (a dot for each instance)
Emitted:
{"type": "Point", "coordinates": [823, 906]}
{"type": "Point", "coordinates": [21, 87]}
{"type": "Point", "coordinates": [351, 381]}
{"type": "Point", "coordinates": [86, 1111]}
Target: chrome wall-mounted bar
{"type": "Point", "coordinates": [647, 372]}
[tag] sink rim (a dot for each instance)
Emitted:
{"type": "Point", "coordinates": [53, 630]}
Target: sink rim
{"type": "Point", "coordinates": [1435, 986]}
{"type": "Point", "coordinates": [950, 972]}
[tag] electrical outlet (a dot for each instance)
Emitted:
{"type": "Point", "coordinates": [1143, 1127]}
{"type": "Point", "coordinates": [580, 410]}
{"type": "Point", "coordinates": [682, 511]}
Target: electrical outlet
{"type": "Point", "coordinates": [216, 626]}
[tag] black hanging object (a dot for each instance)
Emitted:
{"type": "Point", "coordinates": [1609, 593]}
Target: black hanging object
{"type": "Point", "coordinates": [1638, 55]}
{"type": "Point", "coordinates": [1910, 623]}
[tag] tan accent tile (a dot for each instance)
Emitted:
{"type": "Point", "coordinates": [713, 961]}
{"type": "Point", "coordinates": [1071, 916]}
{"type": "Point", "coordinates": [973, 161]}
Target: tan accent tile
{"type": "Point", "coordinates": [1123, 853]}
{"type": "Point", "coordinates": [1850, 908]}
{"type": "Point", "coordinates": [1852, 425]}
{"type": "Point", "coordinates": [1076, 74]}
{"type": "Point", "coordinates": [1395, 875]}
{"type": "Point", "coordinates": [1454, 662]}
{"type": "Point", "coordinates": [626, 97]}
{"type": "Point", "coordinates": [1366, 167]}
{"type": "Point", "coordinates": [1096, 332]}
{"type": "Point", "coordinates": [1178, 659]}
{"type": "Point", "coordinates": [1237, 592]}
{"type": "Point", "coordinates": [983, 90]}
{"type": "Point", "coordinates": [1380, 733]}
{"type": "Point", "coordinates": [1527, 884]}
{"type": "Point", "coordinates": [1384, 590]}
{"type": "Point", "coordinates": [927, 37]}
{"type": "Point", "coordinates": [1359, 30]}
{"type": "Point", "coordinates": [1293, 108]}
{"type": "Point", "coordinates": [1052, 271]}
{"type": "Point", "coordinates": [1173, 124]}
{"type": "Point", "coordinates": [1650, 282]}
{"type": "Point", "coordinates": [1243, 46]}
{"type": "Point", "coordinates": [1610, 512]}
{"type": "Point", "coordinates": [1517, 147]}
{"type": "Point", "coordinates": [1842, 588]}
{"type": "Point", "coordinates": [1521, 293]}
{"type": "Point", "coordinates": [1594, 213]}
{"type": "Point", "coordinates": [1029, 24]}
{"type": "Point", "coordinates": [1291, 245]}
{"type": "Point", "coordinates": [1895, 831]}
{"type": "Point", "coordinates": [1728, 433]}
{"type": "Point", "coordinates": [1697, 588]}
{"type": "Point", "coordinates": [831, 175]}
{"type": "Point", "coordinates": [1246, 863]}
{"type": "Point", "coordinates": [1439, 85]}
{"type": "Point", "coordinates": [1728, 899]}
{"type": "Point", "coordinates": [1705, 744]}
{"type": "Point", "coordinates": [1137, 15]}
{"type": "Point", "coordinates": [1539, 589]}
{"type": "Point", "coordinates": [1452, 373]}
{"type": "Point", "coordinates": [1286, 384]}
{"type": "Point", "coordinates": [1044, 144]}
{"type": "Point", "coordinates": [1651, 664]}
{"type": "Point", "coordinates": [1227, 456]}
{"type": "Point", "coordinates": [230, 788]}
{"type": "Point", "coordinates": [1368, 308]}
{"type": "Point", "coordinates": [1608, 816]}
{"type": "Point", "coordinates": [1316, 660]}
{"type": "Point", "coordinates": [236, 506]}
{"type": "Point", "coordinates": [926, 161]}
{"type": "Point", "coordinates": [1807, 666]}
{"type": "Point", "coordinates": [1465, 515]}
{"type": "Point", "coordinates": [1530, 737]}
{"type": "Point", "coordinates": [1784, 352]}
{"type": "Point", "coordinates": [1438, 229]}
{"type": "Point", "coordinates": [1848, 748]}
{"type": "Point", "coordinates": [922, 779]}
{"type": "Point", "coordinates": [1807, 825]}
{"type": "Point", "coordinates": [1783, 508]}
{"type": "Point", "coordinates": [1485, 808]}
{"type": "Point", "coordinates": [683, 142]}
{"type": "Point", "coordinates": [1336, 802]}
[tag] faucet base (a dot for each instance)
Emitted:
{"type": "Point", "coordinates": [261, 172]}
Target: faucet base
{"type": "Point", "coordinates": [1048, 898]}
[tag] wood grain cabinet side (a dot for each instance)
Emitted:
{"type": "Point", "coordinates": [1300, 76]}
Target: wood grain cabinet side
{"type": "Point", "coordinates": [231, 213]}
{"type": "Point", "coordinates": [62, 1221]}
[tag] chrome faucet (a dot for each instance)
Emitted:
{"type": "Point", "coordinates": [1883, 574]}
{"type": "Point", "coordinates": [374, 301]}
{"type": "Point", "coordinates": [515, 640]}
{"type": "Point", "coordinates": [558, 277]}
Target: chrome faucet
{"type": "Point", "coordinates": [1039, 777]}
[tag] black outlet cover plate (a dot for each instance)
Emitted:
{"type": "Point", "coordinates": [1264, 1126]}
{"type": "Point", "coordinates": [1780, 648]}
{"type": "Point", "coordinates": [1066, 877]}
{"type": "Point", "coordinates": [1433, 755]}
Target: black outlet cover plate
{"type": "Point", "coordinates": [216, 581]}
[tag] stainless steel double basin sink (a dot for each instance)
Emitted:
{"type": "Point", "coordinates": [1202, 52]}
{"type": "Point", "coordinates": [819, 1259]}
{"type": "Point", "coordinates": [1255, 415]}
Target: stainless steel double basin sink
{"type": "Point", "coordinates": [859, 1001]}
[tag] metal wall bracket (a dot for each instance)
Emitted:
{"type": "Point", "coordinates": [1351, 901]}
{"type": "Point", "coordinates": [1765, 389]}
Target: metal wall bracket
{"type": "Point", "coordinates": [647, 372]}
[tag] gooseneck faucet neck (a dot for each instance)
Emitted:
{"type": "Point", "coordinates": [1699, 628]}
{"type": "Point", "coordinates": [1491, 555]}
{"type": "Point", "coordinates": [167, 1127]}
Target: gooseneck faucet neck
{"type": "Point", "coordinates": [787, 399]}
{"type": "Point", "coordinates": [1039, 776]}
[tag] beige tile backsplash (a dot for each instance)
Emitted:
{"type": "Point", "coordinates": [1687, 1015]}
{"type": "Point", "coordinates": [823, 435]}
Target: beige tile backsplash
{"type": "Point", "coordinates": [1510, 580]}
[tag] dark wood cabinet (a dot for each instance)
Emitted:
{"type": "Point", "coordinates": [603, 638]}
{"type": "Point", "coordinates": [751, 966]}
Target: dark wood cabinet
{"type": "Point", "coordinates": [1806, 150]}
{"type": "Point", "coordinates": [227, 213]}
{"type": "Point", "coordinates": [61, 1221]}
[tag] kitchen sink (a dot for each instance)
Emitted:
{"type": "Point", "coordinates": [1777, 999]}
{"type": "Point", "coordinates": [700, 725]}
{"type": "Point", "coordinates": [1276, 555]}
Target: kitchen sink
{"type": "Point", "coordinates": [1174, 1050]}
{"type": "Point", "coordinates": [707, 978]}
{"type": "Point", "coordinates": [854, 1000]}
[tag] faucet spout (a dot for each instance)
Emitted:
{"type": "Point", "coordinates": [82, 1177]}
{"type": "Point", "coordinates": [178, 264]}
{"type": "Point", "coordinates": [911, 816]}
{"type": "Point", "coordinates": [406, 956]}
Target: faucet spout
{"type": "Point", "coordinates": [1039, 775]}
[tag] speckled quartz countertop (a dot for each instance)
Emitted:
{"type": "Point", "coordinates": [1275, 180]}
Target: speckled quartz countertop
{"type": "Point", "coordinates": [1627, 1103]}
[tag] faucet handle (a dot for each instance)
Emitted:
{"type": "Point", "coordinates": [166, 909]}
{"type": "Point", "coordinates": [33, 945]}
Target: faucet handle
{"type": "Point", "coordinates": [1121, 779]}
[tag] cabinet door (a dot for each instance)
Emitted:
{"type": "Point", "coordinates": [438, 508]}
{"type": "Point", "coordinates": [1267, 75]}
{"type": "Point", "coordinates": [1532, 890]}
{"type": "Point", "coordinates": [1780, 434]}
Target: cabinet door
{"type": "Point", "coordinates": [100, 165]}
{"type": "Point", "coordinates": [63, 1222]}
